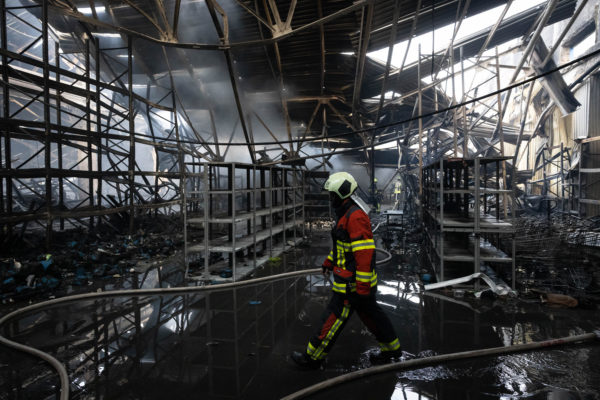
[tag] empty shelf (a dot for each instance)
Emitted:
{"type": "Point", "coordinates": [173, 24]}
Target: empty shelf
{"type": "Point", "coordinates": [226, 246]}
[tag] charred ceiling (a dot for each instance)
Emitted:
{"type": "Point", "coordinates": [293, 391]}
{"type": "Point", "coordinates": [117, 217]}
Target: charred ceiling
{"type": "Point", "coordinates": [265, 81]}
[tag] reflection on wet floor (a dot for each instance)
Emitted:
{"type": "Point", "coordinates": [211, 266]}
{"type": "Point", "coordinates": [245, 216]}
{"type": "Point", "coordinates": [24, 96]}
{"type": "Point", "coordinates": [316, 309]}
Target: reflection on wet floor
{"type": "Point", "coordinates": [234, 344]}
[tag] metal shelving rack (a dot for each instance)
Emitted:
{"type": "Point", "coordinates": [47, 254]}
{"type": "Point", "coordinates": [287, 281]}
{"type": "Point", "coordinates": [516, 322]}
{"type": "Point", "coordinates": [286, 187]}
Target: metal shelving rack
{"type": "Point", "coordinates": [240, 215]}
{"type": "Point", "coordinates": [466, 223]}
{"type": "Point", "coordinates": [316, 200]}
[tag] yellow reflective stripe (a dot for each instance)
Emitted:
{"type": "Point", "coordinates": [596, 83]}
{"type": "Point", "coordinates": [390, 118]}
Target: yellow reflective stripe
{"type": "Point", "coordinates": [367, 277]}
{"type": "Point", "coordinates": [339, 287]}
{"type": "Point", "coordinates": [360, 242]}
{"type": "Point", "coordinates": [343, 245]}
{"type": "Point", "coordinates": [363, 245]}
{"type": "Point", "coordinates": [342, 287]}
{"type": "Point", "coordinates": [310, 349]}
{"type": "Point", "coordinates": [341, 256]}
{"type": "Point", "coordinates": [364, 276]}
{"type": "Point", "coordinates": [330, 256]}
{"type": "Point", "coordinates": [391, 346]}
{"type": "Point", "coordinates": [318, 354]}
{"type": "Point", "coordinates": [363, 248]}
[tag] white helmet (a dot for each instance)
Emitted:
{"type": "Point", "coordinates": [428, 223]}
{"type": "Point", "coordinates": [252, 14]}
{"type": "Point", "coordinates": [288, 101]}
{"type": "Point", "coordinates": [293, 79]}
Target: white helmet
{"type": "Point", "coordinates": [342, 184]}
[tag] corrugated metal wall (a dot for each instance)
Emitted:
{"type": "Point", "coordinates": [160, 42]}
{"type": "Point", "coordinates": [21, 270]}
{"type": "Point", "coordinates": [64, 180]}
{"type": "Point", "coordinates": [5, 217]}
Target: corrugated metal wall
{"type": "Point", "coordinates": [582, 115]}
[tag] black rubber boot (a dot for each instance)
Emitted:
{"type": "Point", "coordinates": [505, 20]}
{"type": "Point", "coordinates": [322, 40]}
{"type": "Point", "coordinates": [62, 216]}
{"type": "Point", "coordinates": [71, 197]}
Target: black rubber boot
{"type": "Point", "coordinates": [305, 362]}
{"type": "Point", "coordinates": [384, 357]}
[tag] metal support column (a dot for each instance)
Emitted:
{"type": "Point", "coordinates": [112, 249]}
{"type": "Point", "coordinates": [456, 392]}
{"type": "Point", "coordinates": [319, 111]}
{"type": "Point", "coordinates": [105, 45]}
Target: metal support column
{"type": "Point", "coordinates": [61, 189]}
{"type": "Point", "coordinates": [88, 128]}
{"type": "Point", "coordinates": [476, 219]}
{"type": "Point", "coordinates": [98, 140]}
{"type": "Point", "coordinates": [47, 142]}
{"type": "Point", "coordinates": [131, 115]}
{"type": "Point", "coordinates": [7, 181]}
{"type": "Point", "coordinates": [206, 195]}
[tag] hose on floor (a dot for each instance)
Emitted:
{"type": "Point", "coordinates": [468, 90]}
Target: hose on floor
{"type": "Point", "coordinates": [428, 361]}
{"type": "Point", "coordinates": [60, 368]}
{"type": "Point", "coordinates": [375, 229]}
{"type": "Point", "coordinates": [386, 259]}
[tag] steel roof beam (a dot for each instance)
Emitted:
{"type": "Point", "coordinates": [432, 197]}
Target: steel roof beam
{"type": "Point", "coordinates": [223, 34]}
{"type": "Point", "coordinates": [365, 35]}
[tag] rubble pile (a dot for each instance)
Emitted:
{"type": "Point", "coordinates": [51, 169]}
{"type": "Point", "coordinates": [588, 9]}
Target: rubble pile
{"type": "Point", "coordinates": [79, 258]}
{"type": "Point", "coordinates": [557, 257]}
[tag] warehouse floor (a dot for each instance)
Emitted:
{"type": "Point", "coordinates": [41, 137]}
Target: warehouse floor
{"type": "Point", "coordinates": [235, 344]}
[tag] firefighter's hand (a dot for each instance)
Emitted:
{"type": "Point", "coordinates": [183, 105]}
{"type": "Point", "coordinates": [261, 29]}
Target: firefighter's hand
{"type": "Point", "coordinates": [326, 271]}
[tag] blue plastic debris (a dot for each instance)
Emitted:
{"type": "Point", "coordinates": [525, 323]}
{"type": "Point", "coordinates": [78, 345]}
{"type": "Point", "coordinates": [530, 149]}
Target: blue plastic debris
{"type": "Point", "coordinates": [72, 243]}
{"type": "Point", "coordinates": [46, 263]}
{"type": "Point", "coordinates": [99, 270]}
{"type": "Point", "coordinates": [49, 282]}
{"type": "Point", "coordinates": [254, 302]}
{"type": "Point", "coordinates": [226, 273]}
{"type": "Point", "coordinates": [21, 288]}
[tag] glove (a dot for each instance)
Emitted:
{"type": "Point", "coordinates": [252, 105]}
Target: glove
{"type": "Point", "coordinates": [326, 271]}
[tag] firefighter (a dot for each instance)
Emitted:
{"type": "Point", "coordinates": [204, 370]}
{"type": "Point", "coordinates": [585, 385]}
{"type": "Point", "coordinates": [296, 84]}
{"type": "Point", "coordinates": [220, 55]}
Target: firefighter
{"type": "Point", "coordinates": [397, 194]}
{"type": "Point", "coordinates": [377, 196]}
{"type": "Point", "coordinates": [352, 262]}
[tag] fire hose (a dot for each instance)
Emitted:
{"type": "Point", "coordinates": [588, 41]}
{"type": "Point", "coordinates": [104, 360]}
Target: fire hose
{"type": "Point", "coordinates": [405, 365]}
{"type": "Point", "coordinates": [428, 361]}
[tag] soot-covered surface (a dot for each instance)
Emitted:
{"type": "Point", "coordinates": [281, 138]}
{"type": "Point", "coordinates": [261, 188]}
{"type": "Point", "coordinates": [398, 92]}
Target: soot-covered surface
{"type": "Point", "coordinates": [235, 344]}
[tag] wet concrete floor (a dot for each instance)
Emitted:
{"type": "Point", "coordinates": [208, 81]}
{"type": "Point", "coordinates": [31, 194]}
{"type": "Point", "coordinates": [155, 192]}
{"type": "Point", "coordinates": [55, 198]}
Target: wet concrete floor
{"type": "Point", "coordinates": [235, 344]}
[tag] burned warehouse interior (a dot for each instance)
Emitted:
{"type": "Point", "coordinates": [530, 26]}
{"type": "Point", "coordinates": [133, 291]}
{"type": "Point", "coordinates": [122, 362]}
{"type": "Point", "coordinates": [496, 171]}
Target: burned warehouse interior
{"type": "Point", "coordinates": [283, 199]}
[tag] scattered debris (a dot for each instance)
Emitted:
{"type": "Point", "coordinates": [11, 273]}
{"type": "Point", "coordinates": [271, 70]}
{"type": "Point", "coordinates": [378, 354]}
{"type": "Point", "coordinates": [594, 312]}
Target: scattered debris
{"type": "Point", "coordinates": [274, 261]}
{"type": "Point", "coordinates": [79, 258]}
{"type": "Point", "coordinates": [556, 299]}
{"type": "Point", "coordinates": [500, 289]}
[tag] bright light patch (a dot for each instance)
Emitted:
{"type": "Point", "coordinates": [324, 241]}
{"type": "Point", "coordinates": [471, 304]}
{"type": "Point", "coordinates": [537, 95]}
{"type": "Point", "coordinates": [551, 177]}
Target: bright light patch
{"type": "Point", "coordinates": [583, 46]}
{"type": "Point", "coordinates": [388, 145]}
{"type": "Point", "coordinates": [107, 35]}
{"type": "Point", "coordinates": [398, 291]}
{"type": "Point", "coordinates": [404, 392]}
{"type": "Point", "coordinates": [88, 10]}
{"type": "Point", "coordinates": [443, 35]}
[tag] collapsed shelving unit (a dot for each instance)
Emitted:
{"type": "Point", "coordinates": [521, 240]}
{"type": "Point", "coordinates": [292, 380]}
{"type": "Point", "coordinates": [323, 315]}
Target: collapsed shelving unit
{"type": "Point", "coordinates": [237, 216]}
{"type": "Point", "coordinates": [466, 223]}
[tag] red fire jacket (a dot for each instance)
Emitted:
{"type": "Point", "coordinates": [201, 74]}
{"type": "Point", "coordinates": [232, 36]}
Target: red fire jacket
{"type": "Point", "coordinates": [352, 259]}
